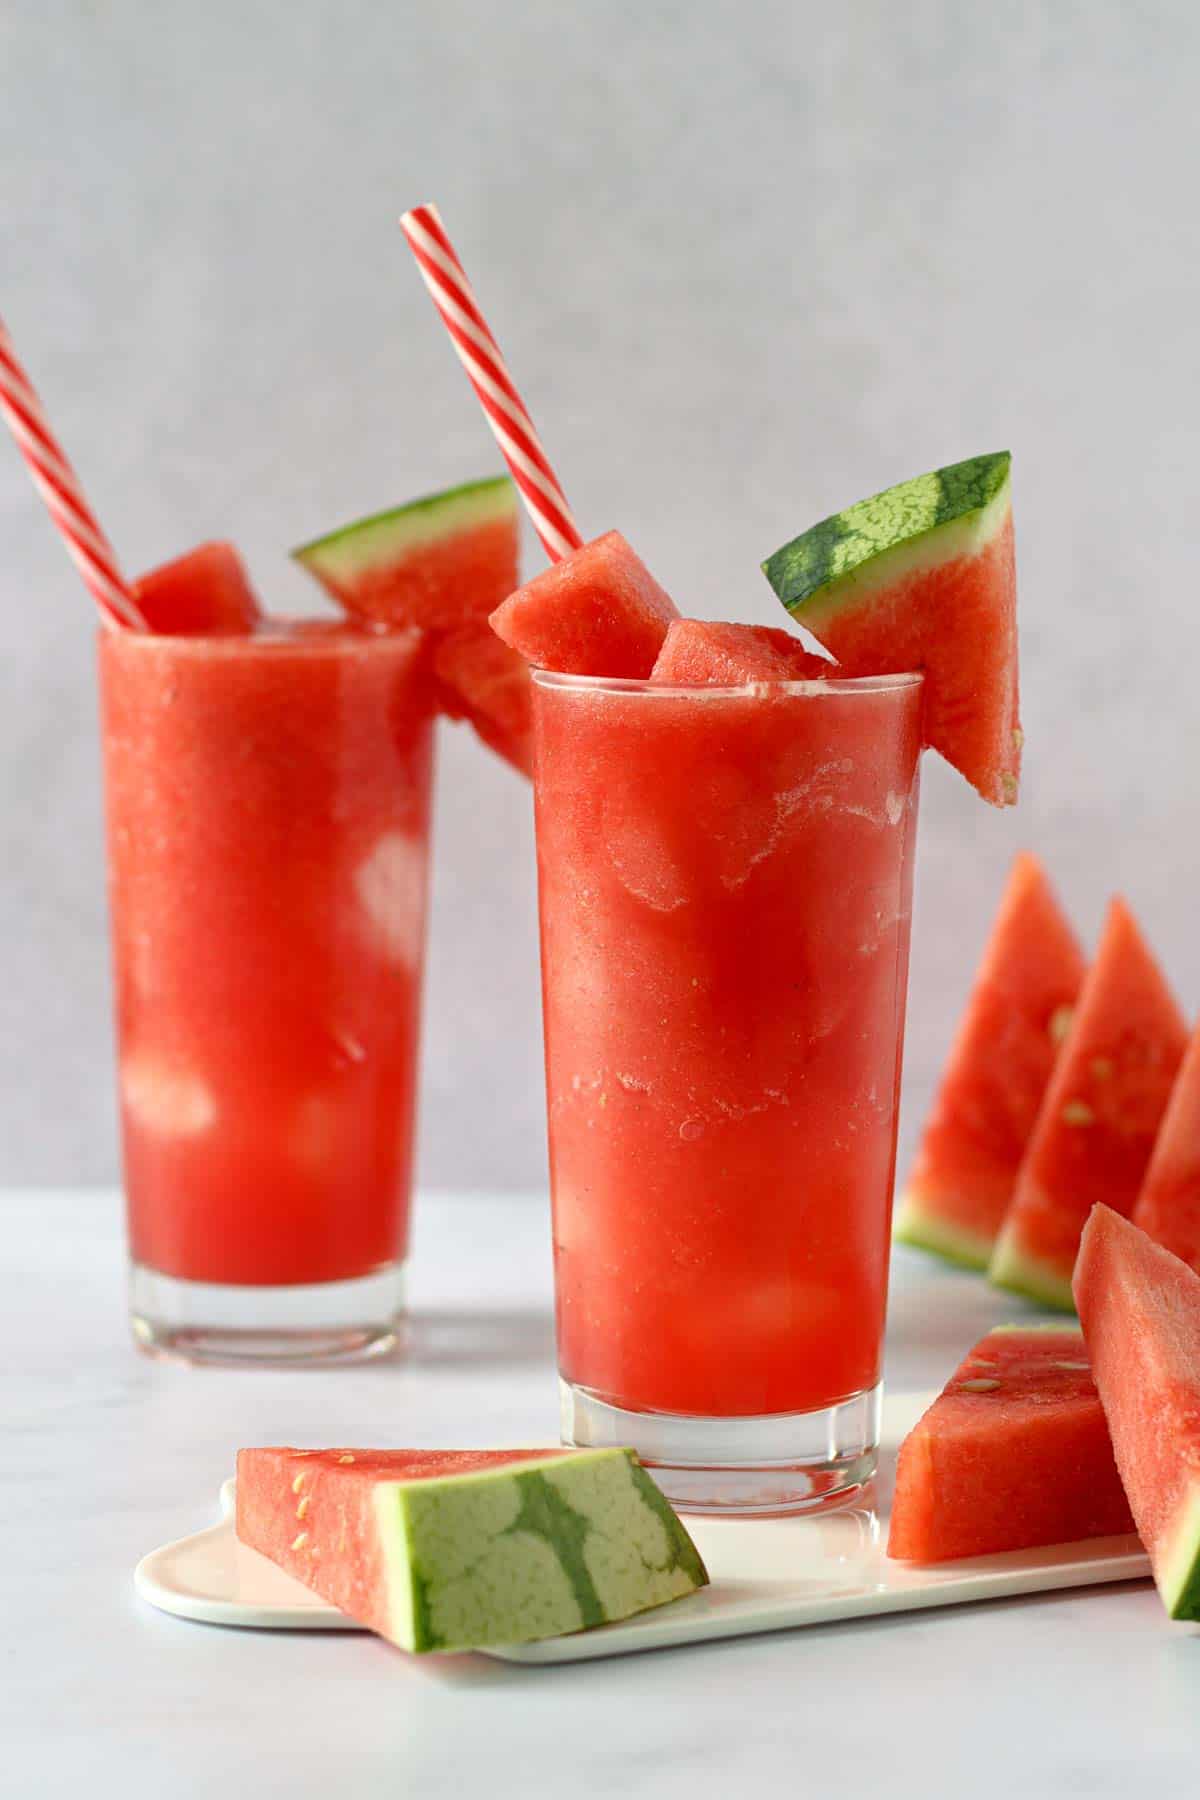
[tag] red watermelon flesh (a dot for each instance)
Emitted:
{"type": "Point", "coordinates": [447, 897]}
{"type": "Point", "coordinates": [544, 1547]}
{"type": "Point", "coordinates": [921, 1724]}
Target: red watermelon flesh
{"type": "Point", "coordinates": [1100, 1115]}
{"type": "Point", "coordinates": [1168, 1207]}
{"type": "Point", "coordinates": [698, 653]}
{"type": "Point", "coordinates": [1017, 1016]}
{"type": "Point", "coordinates": [435, 563]}
{"type": "Point", "coordinates": [597, 612]}
{"type": "Point", "coordinates": [456, 1549]}
{"type": "Point", "coordinates": [204, 593]}
{"type": "Point", "coordinates": [1013, 1453]}
{"type": "Point", "coordinates": [1140, 1308]}
{"type": "Point", "coordinates": [482, 680]}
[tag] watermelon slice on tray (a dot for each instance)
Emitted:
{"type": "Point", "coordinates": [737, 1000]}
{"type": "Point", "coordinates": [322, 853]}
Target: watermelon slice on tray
{"type": "Point", "coordinates": [597, 612]}
{"type": "Point", "coordinates": [699, 653]}
{"type": "Point", "coordinates": [1140, 1308]}
{"type": "Point", "coordinates": [205, 592]}
{"type": "Point", "coordinates": [1100, 1115]}
{"type": "Point", "coordinates": [455, 1549]}
{"type": "Point", "coordinates": [1013, 1453]}
{"type": "Point", "coordinates": [923, 576]}
{"type": "Point", "coordinates": [1168, 1206]}
{"type": "Point", "coordinates": [1018, 1014]}
{"type": "Point", "coordinates": [435, 562]}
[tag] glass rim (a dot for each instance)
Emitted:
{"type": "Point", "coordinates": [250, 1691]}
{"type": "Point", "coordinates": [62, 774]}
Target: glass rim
{"type": "Point", "coordinates": [826, 685]}
{"type": "Point", "coordinates": [242, 643]}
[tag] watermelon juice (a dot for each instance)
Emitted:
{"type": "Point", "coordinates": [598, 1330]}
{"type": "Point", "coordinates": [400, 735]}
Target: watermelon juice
{"type": "Point", "coordinates": [725, 881]}
{"type": "Point", "coordinates": [268, 817]}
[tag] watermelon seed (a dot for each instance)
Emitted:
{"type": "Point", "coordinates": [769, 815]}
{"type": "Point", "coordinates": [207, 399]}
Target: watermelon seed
{"type": "Point", "coordinates": [346, 1458]}
{"type": "Point", "coordinates": [299, 1542]}
{"type": "Point", "coordinates": [303, 1507]}
{"type": "Point", "coordinates": [1078, 1112]}
{"type": "Point", "coordinates": [1018, 738]}
{"type": "Point", "coordinates": [1070, 1365]}
{"type": "Point", "coordinates": [298, 1483]}
{"type": "Point", "coordinates": [983, 1385]}
{"type": "Point", "coordinates": [1102, 1068]}
{"type": "Point", "coordinates": [1060, 1023]}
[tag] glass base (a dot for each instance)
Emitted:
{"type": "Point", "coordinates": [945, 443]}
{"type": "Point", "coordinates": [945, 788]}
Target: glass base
{"type": "Point", "coordinates": [767, 1463]}
{"type": "Point", "coordinates": [325, 1322]}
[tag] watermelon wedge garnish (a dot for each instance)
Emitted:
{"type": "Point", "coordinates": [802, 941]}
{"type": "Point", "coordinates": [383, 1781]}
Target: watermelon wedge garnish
{"type": "Point", "coordinates": [455, 1549]}
{"type": "Point", "coordinates": [204, 593]}
{"type": "Point", "coordinates": [1168, 1206]}
{"type": "Point", "coordinates": [597, 612]}
{"type": "Point", "coordinates": [435, 562]}
{"type": "Point", "coordinates": [1014, 1452]}
{"type": "Point", "coordinates": [699, 653]}
{"type": "Point", "coordinates": [1100, 1115]}
{"type": "Point", "coordinates": [482, 680]}
{"type": "Point", "coordinates": [923, 576]}
{"type": "Point", "coordinates": [1018, 1014]}
{"type": "Point", "coordinates": [1140, 1308]}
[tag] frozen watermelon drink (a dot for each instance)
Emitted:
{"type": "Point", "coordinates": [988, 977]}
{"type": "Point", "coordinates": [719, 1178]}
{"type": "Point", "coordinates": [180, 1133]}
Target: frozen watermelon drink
{"type": "Point", "coordinates": [725, 830]}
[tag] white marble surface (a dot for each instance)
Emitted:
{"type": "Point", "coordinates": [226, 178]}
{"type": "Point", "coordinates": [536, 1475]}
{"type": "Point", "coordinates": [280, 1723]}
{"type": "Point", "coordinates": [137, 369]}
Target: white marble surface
{"type": "Point", "coordinates": [106, 1454]}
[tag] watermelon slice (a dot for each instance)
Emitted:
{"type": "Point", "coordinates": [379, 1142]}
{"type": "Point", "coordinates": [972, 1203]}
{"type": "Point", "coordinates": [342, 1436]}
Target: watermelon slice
{"type": "Point", "coordinates": [696, 653]}
{"type": "Point", "coordinates": [1013, 1453]}
{"type": "Point", "coordinates": [1100, 1115]}
{"type": "Point", "coordinates": [482, 680]}
{"type": "Point", "coordinates": [203, 593]}
{"type": "Point", "coordinates": [1140, 1308]}
{"type": "Point", "coordinates": [923, 576]}
{"type": "Point", "coordinates": [597, 612]}
{"type": "Point", "coordinates": [454, 1549]}
{"type": "Point", "coordinates": [434, 563]}
{"type": "Point", "coordinates": [1168, 1207]}
{"type": "Point", "coordinates": [1018, 1013]}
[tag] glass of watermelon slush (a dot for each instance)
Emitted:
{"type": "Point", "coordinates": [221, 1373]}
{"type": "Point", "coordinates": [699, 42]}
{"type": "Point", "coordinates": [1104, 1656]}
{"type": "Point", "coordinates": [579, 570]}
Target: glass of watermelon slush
{"type": "Point", "coordinates": [725, 884]}
{"type": "Point", "coordinates": [268, 817]}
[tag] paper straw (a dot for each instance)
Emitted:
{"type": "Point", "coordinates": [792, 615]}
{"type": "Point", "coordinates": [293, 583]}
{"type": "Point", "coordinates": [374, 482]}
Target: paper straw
{"type": "Point", "coordinates": [444, 276]}
{"type": "Point", "coordinates": [59, 487]}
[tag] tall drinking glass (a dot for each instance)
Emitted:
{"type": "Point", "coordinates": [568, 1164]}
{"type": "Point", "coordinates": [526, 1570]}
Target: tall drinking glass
{"type": "Point", "coordinates": [268, 821]}
{"type": "Point", "coordinates": [725, 880]}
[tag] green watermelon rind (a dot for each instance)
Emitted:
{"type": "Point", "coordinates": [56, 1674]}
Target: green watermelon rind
{"type": "Point", "coordinates": [383, 539]}
{"type": "Point", "coordinates": [1019, 1273]}
{"type": "Point", "coordinates": [423, 1526]}
{"type": "Point", "coordinates": [923, 1229]}
{"type": "Point", "coordinates": [1178, 1571]}
{"type": "Point", "coordinates": [879, 542]}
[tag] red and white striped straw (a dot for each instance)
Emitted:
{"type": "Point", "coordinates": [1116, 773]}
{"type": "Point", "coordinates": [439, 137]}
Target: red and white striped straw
{"type": "Point", "coordinates": [480, 356]}
{"type": "Point", "coordinates": [56, 482]}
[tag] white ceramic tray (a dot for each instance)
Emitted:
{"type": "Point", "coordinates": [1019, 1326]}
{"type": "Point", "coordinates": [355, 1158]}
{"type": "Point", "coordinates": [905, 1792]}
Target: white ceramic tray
{"type": "Point", "coordinates": [767, 1575]}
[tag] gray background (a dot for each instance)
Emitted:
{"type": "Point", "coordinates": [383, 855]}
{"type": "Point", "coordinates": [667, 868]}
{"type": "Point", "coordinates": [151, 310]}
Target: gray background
{"type": "Point", "coordinates": [749, 262]}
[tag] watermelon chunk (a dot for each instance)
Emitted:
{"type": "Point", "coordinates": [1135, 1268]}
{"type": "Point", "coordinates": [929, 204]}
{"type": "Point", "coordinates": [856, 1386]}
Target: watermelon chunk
{"type": "Point", "coordinates": [482, 680]}
{"type": "Point", "coordinates": [1140, 1308]}
{"type": "Point", "coordinates": [697, 653]}
{"type": "Point", "coordinates": [1019, 1011]}
{"type": "Point", "coordinates": [1100, 1116]}
{"type": "Point", "coordinates": [1168, 1206]}
{"type": "Point", "coordinates": [434, 563]}
{"type": "Point", "coordinates": [454, 1549]}
{"type": "Point", "coordinates": [205, 593]}
{"type": "Point", "coordinates": [923, 576]}
{"type": "Point", "coordinates": [597, 612]}
{"type": "Point", "coordinates": [1013, 1453]}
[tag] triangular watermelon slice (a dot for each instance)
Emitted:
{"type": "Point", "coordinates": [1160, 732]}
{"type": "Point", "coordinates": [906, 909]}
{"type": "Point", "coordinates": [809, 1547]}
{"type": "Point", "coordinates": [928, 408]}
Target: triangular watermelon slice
{"type": "Point", "coordinates": [597, 612]}
{"type": "Point", "coordinates": [435, 562]}
{"type": "Point", "coordinates": [700, 653]}
{"type": "Point", "coordinates": [482, 680]}
{"type": "Point", "coordinates": [1100, 1116]}
{"type": "Point", "coordinates": [1168, 1206]}
{"type": "Point", "coordinates": [205, 592]}
{"type": "Point", "coordinates": [1018, 1014]}
{"type": "Point", "coordinates": [455, 1549]}
{"type": "Point", "coordinates": [1013, 1453]}
{"type": "Point", "coordinates": [923, 576]}
{"type": "Point", "coordinates": [1140, 1308]}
